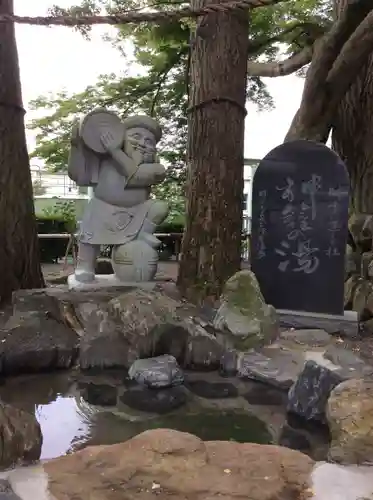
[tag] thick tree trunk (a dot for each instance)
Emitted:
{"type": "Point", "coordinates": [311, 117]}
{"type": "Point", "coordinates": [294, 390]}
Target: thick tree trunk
{"type": "Point", "coordinates": [19, 254]}
{"type": "Point", "coordinates": [352, 133]}
{"type": "Point", "coordinates": [337, 58]}
{"type": "Point", "coordinates": [211, 248]}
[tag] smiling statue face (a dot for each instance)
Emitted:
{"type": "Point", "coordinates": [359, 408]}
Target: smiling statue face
{"type": "Point", "coordinates": [143, 142]}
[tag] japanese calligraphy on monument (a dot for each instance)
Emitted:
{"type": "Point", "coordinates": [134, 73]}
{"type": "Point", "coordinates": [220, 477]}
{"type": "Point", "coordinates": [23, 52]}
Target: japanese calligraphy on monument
{"type": "Point", "coordinates": [299, 230]}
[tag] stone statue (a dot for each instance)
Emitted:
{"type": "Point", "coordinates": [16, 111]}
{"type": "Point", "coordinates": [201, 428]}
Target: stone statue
{"type": "Point", "coordinates": [118, 159]}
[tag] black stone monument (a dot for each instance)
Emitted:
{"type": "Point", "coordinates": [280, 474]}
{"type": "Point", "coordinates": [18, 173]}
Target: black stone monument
{"type": "Point", "coordinates": [299, 227]}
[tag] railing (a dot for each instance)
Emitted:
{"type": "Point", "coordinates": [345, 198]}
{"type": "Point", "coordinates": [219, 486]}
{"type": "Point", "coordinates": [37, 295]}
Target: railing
{"type": "Point", "coordinates": [170, 244]}
{"type": "Point", "coordinates": [55, 185]}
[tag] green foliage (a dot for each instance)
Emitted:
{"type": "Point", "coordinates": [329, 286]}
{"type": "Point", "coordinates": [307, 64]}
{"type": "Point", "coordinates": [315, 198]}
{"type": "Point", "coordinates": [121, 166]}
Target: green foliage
{"type": "Point", "coordinates": [172, 191]}
{"type": "Point", "coordinates": [62, 211]}
{"type": "Point", "coordinates": [160, 89]}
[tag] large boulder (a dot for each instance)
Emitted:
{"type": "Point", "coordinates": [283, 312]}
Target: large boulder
{"type": "Point", "coordinates": [350, 418]}
{"type": "Point", "coordinates": [21, 437]}
{"type": "Point", "coordinates": [34, 343]}
{"type": "Point", "coordinates": [243, 314]}
{"type": "Point", "coordinates": [108, 328]}
{"type": "Point", "coordinates": [142, 323]}
{"type": "Point", "coordinates": [177, 465]}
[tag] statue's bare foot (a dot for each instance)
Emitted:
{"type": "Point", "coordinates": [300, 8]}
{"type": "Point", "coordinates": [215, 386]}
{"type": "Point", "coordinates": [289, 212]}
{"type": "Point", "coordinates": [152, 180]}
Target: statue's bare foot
{"type": "Point", "coordinates": [150, 239]}
{"type": "Point", "coordinates": [84, 276]}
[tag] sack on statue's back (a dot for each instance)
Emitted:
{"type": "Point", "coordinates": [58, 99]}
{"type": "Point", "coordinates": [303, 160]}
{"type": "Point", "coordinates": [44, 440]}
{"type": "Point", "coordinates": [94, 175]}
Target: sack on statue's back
{"type": "Point", "coordinates": [83, 164]}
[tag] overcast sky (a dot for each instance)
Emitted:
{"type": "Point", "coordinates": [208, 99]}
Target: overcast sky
{"type": "Point", "coordinates": [55, 58]}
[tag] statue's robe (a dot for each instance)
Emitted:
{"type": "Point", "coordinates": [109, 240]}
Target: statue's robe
{"type": "Point", "coordinates": [105, 224]}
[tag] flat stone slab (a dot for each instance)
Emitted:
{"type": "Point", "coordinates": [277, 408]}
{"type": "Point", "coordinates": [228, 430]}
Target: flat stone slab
{"type": "Point", "coordinates": [279, 364]}
{"type": "Point", "coordinates": [351, 365]}
{"type": "Point", "coordinates": [348, 324]}
{"type": "Point", "coordinates": [279, 370]}
{"type": "Point", "coordinates": [308, 337]}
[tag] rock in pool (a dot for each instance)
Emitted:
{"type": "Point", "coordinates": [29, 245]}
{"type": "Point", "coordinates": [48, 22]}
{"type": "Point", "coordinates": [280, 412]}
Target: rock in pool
{"type": "Point", "coordinates": [159, 372]}
{"type": "Point", "coordinates": [21, 437]}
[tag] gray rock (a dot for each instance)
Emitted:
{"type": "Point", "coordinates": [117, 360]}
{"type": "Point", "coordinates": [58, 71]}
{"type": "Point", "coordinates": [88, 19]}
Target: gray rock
{"type": "Point", "coordinates": [21, 437]}
{"type": "Point", "coordinates": [311, 337]}
{"type": "Point", "coordinates": [243, 315]}
{"type": "Point", "coordinates": [162, 401]}
{"type": "Point", "coordinates": [280, 369]}
{"type": "Point", "coordinates": [34, 343]}
{"type": "Point", "coordinates": [114, 327]}
{"type": "Point", "coordinates": [229, 364]}
{"type": "Point", "coordinates": [308, 396]}
{"type": "Point", "coordinates": [160, 372]}
{"type": "Point", "coordinates": [139, 324]}
{"type": "Point", "coordinates": [349, 362]}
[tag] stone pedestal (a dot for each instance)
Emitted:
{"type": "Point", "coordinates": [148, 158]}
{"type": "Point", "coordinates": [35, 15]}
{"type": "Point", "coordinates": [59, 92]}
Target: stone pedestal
{"type": "Point", "coordinates": [347, 325]}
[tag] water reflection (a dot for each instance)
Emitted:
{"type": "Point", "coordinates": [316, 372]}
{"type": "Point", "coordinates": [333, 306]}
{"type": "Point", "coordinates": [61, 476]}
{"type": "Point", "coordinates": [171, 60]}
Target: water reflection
{"type": "Point", "coordinates": [69, 423]}
{"type": "Point", "coordinates": [62, 424]}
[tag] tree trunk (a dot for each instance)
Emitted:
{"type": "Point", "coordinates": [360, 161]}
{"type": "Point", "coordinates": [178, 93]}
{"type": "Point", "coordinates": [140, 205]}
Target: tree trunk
{"type": "Point", "coordinates": [211, 248]}
{"type": "Point", "coordinates": [19, 252]}
{"type": "Point", "coordinates": [337, 58]}
{"type": "Point", "coordinates": [352, 133]}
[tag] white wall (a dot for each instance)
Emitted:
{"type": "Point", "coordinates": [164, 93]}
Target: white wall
{"type": "Point", "coordinates": [248, 174]}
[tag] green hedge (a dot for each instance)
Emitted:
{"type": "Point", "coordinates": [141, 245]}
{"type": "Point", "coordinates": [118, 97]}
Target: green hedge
{"type": "Point", "coordinates": [170, 227]}
{"type": "Point", "coordinates": [48, 224]}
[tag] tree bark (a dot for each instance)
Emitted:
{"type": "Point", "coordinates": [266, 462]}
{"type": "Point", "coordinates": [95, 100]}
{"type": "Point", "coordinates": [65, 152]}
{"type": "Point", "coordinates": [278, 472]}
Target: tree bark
{"type": "Point", "coordinates": [338, 57]}
{"type": "Point", "coordinates": [352, 133]}
{"type": "Point", "coordinates": [19, 252]}
{"type": "Point", "coordinates": [211, 248]}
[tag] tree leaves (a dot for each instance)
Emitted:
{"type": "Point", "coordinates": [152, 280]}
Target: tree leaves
{"type": "Point", "coordinates": [162, 51]}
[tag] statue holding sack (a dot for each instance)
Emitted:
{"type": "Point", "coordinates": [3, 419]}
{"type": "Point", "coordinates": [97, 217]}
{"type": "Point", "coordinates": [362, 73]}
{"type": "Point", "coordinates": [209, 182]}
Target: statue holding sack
{"type": "Point", "coordinates": [118, 159]}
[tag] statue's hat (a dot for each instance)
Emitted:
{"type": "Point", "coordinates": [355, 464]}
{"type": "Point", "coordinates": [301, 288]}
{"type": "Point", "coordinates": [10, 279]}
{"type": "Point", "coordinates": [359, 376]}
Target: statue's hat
{"type": "Point", "coordinates": [143, 121]}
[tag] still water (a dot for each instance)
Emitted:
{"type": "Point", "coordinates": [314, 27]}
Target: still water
{"type": "Point", "coordinates": [69, 423]}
